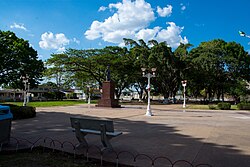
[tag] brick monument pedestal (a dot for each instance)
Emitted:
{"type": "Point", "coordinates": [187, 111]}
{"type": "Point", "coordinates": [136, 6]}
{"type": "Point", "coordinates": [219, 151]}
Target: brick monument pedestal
{"type": "Point", "coordinates": [108, 96]}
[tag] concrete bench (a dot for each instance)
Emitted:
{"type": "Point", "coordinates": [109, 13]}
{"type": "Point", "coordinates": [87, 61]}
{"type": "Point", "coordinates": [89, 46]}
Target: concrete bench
{"type": "Point", "coordinates": [83, 126]}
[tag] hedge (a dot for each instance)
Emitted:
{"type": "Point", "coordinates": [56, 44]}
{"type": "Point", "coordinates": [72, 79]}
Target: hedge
{"type": "Point", "coordinates": [212, 107]}
{"type": "Point", "coordinates": [22, 112]}
{"type": "Point", "coordinates": [224, 106]}
{"type": "Point", "coordinates": [243, 106]}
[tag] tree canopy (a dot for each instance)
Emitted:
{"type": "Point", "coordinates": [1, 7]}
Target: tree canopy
{"type": "Point", "coordinates": [216, 66]}
{"type": "Point", "coordinates": [18, 59]}
{"type": "Point", "coordinates": [212, 69]}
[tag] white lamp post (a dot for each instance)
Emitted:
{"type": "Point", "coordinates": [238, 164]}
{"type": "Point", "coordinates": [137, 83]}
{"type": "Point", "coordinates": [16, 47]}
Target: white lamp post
{"type": "Point", "coordinates": [184, 84]}
{"type": "Point", "coordinates": [26, 83]}
{"type": "Point", "coordinates": [89, 86]}
{"type": "Point", "coordinates": [149, 76]}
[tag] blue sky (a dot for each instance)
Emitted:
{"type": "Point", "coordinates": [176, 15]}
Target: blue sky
{"type": "Point", "coordinates": [51, 26]}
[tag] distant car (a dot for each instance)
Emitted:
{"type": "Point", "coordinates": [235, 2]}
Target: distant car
{"type": "Point", "coordinates": [126, 98]}
{"type": "Point", "coordinates": [40, 98]}
{"type": "Point", "coordinates": [96, 96]}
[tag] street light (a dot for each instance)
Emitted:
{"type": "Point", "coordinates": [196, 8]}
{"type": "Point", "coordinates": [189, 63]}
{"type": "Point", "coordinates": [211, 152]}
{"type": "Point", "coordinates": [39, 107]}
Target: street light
{"type": "Point", "coordinates": [148, 75]}
{"type": "Point", "coordinates": [184, 84]}
{"type": "Point", "coordinates": [243, 34]}
{"type": "Point", "coordinates": [89, 86]}
{"type": "Point", "coordinates": [26, 84]}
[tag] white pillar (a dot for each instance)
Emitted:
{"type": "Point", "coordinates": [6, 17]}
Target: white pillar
{"type": "Point", "coordinates": [28, 94]}
{"type": "Point", "coordinates": [149, 113]}
{"type": "Point", "coordinates": [24, 94]}
{"type": "Point", "coordinates": [89, 96]}
{"type": "Point", "coordinates": [184, 96]}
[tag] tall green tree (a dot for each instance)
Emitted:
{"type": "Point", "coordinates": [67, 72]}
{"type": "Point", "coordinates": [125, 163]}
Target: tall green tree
{"type": "Point", "coordinates": [216, 66]}
{"type": "Point", "coordinates": [182, 50]}
{"type": "Point", "coordinates": [207, 64]}
{"type": "Point", "coordinates": [139, 56]}
{"type": "Point", "coordinates": [57, 73]}
{"type": "Point", "coordinates": [237, 68]}
{"type": "Point", "coordinates": [18, 59]}
{"type": "Point", "coordinates": [120, 66]}
{"type": "Point", "coordinates": [90, 66]}
{"type": "Point", "coordinates": [168, 69]}
{"type": "Point", "coordinates": [169, 65]}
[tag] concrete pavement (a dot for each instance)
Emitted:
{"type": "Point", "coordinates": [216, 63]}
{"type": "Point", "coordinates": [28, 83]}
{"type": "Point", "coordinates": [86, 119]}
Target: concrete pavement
{"type": "Point", "coordinates": [219, 138]}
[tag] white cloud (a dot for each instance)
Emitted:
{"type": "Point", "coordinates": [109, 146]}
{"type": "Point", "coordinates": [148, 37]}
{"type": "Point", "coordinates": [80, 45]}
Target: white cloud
{"type": "Point", "coordinates": [102, 8]}
{"type": "Point", "coordinates": [61, 50]}
{"type": "Point", "coordinates": [131, 19]}
{"type": "Point", "coordinates": [95, 31]}
{"type": "Point", "coordinates": [147, 34]}
{"type": "Point", "coordinates": [130, 16]}
{"type": "Point", "coordinates": [183, 7]}
{"type": "Point", "coordinates": [117, 36]}
{"type": "Point", "coordinates": [166, 11]}
{"type": "Point", "coordinates": [51, 41]}
{"type": "Point", "coordinates": [18, 26]}
{"type": "Point", "coordinates": [76, 41]}
{"type": "Point", "coordinates": [172, 35]}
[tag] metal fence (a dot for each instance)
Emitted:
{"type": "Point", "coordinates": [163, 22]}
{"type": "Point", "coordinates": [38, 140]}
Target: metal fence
{"type": "Point", "coordinates": [101, 155]}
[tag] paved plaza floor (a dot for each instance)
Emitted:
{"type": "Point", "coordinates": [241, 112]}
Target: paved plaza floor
{"type": "Point", "coordinates": [219, 138]}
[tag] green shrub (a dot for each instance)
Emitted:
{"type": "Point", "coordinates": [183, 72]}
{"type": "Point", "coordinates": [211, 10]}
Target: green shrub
{"type": "Point", "coordinates": [212, 107]}
{"type": "Point", "coordinates": [243, 106]}
{"type": "Point", "coordinates": [22, 112]}
{"type": "Point", "coordinates": [224, 106]}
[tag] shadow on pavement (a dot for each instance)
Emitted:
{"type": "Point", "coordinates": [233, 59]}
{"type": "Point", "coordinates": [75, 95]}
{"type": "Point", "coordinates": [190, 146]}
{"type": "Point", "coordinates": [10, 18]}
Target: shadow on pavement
{"type": "Point", "coordinates": [139, 137]}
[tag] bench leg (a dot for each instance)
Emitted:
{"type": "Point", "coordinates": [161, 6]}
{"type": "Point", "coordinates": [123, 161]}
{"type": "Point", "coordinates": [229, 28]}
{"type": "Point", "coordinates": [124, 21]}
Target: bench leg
{"type": "Point", "coordinates": [82, 141]}
{"type": "Point", "coordinates": [106, 143]}
{"type": "Point", "coordinates": [104, 138]}
{"type": "Point", "coordinates": [80, 136]}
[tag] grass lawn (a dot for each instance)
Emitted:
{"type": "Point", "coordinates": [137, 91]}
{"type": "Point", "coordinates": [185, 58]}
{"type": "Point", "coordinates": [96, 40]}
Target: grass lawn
{"type": "Point", "coordinates": [205, 107]}
{"type": "Point", "coordinates": [75, 102]}
{"type": "Point", "coordinates": [37, 158]}
{"type": "Point", "coordinates": [52, 103]}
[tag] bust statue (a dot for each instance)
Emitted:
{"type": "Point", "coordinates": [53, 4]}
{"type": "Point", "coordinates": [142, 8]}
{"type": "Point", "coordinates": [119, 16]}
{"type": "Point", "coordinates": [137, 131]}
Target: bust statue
{"type": "Point", "coordinates": [108, 73]}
